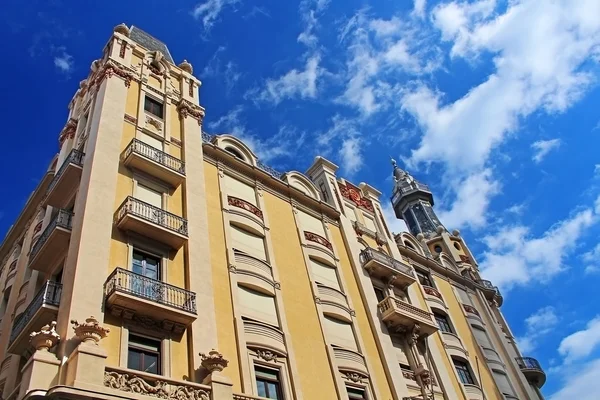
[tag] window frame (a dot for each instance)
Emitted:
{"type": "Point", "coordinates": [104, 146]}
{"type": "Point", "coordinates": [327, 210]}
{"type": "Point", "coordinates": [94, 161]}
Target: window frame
{"type": "Point", "coordinates": [464, 372]}
{"type": "Point", "coordinates": [425, 276]}
{"type": "Point", "coordinates": [445, 322]}
{"type": "Point", "coordinates": [141, 350]}
{"type": "Point", "coordinates": [154, 102]}
{"type": "Point", "coordinates": [278, 382]}
{"type": "Point", "coordinates": [357, 389]}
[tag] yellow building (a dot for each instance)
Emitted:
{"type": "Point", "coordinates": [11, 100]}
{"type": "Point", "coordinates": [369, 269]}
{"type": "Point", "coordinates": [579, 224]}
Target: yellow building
{"type": "Point", "coordinates": [149, 244]}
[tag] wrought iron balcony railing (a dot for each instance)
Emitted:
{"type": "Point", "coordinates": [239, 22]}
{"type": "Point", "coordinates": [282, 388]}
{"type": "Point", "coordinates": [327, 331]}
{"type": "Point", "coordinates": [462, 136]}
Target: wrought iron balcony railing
{"type": "Point", "coordinates": [49, 294]}
{"type": "Point", "coordinates": [370, 253]}
{"type": "Point", "coordinates": [125, 281]}
{"type": "Point", "coordinates": [528, 363]}
{"type": "Point", "coordinates": [145, 150]}
{"type": "Point", "coordinates": [63, 220]}
{"type": "Point", "coordinates": [152, 214]}
{"type": "Point", "coordinates": [75, 157]}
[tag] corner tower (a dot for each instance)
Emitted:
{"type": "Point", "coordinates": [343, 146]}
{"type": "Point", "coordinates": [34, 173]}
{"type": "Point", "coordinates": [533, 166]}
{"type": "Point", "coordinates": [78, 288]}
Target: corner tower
{"type": "Point", "coordinates": [413, 203]}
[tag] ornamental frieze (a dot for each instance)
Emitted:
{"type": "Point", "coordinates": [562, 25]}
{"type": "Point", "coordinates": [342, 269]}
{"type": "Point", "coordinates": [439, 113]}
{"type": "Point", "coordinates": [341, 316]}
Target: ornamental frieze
{"type": "Point", "coordinates": [186, 108]}
{"type": "Point", "coordinates": [352, 193]}
{"type": "Point", "coordinates": [243, 204]}
{"type": "Point", "coordinates": [159, 389]}
{"type": "Point", "coordinates": [68, 132]}
{"type": "Point", "coordinates": [313, 237]}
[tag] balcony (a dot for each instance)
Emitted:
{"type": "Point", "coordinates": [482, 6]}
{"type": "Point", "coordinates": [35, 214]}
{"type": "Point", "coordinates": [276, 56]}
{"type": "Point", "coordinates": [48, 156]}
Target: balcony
{"type": "Point", "coordinates": [260, 335]}
{"type": "Point", "coordinates": [66, 180]}
{"type": "Point", "coordinates": [155, 162]}
{"type": "Point", "coordinates": [41, 311]}
{"type": "Point", "coordinates": [52, 244]}
{"type": "Point", "coordinates": [400, 316]}
{"type": "Point", "coordinates": [531, 368]}
{"type": "Point", "coordinates": [432, 295]}
{"type": "Point", "coordinates": [153, 222]}
{"type": "Point", "coordinates": [491, 292]}
{"type": "Point", "coordinates": [350, 360]}
{"type": "Point", "coordinates": [11, 274]}
{"type": "Point", "coordinates": [128, 294]}
{"type": "Point", "coordinates": [386, 268]}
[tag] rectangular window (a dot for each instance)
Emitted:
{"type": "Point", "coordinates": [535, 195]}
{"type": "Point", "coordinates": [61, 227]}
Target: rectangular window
{"type": "Point", "coordinates": [370, 223]}
{"type": "Point", "coordinates": [152, 142]}
{"type": "Point", "coordinates": [311, 224]}
{"type": "Point", "coordinates": [481, 337]}
{"type": "Point", "coordinates": [248, 242]}
{"type": "Point", "coordinates": [240, 189]}
{"type": "Point", "coordinates": [324, 274]}
{"type": "Point", "coordinates": [143, 354]}
{"type": "Point", "coordinates": [257, 305]}
{"type": "Point", "coordinates": [149, 195]}
{"type": "Point", "coordinates": [443, 322]}
{"type": "Point", "coordinates": [268, 384]}
{"type": "Point", "coordinates": [340, 333]}
{"type": "Point", "coordinates": [464, 372]}
{"type": "Point", "coordinates": [464, 296]}
{"type": "Point", "coordinates": [356, 393]}
{"type": "Point", "coordinates": [145, 283]}
{"type": "Point", "coordinates": [153, 106]}
{"type": "Point", "coordinates": [503, 383]}
{"type": "Point", "coordinates": [424, 278]}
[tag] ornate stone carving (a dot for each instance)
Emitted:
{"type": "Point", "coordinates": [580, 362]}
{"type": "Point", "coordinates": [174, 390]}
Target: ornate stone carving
{"type": "Point", "coordinates": [354, 377]}
{"type": "Point", "coordinates": [432, 292]}
{"type": "Point", "coordinates": [213, 361]}
{"type": "Point", "coordinates": [153, 122]}
{"type": "Point", "coordinates": [90, 331]}
{"type": "Point", "coordinates": [266, 355]}
{"type": "Point", "coordinates": [68, 132]}
{"type": "Point", "coordinates": [160, 389]}
{"type": "Point", "coordinates": [46, 338]}
{"type": "Point", "coordinates": [465, 259]}
{"type": "Point", "coordinates": [130, 118]}
{"type": "Point", "coordinates": [186, 66]}
{"type": "Point", "coordinates": [352, 193]}
{"type": "Point", "coordinates": [470, 309]}
{"type": "Point", "coordinates": [111, 68]}
{"type": "Point", "coordinates": [313, 237]}
{"type": "Point", "coordinates": [186, 108]}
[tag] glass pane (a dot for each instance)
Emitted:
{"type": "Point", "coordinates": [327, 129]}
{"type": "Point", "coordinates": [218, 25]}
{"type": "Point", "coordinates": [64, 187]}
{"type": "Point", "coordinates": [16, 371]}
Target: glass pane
{"type": "Point", "coordinates": [133, 360]}
{"type": "Point", "coordinates": [151, 363]}
{"type": "Point", "coordinates": [261, 388]}
{"type": "Point", "coordinates": [273, 390]}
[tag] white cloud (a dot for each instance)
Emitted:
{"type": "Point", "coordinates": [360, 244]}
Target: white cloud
{"type": "Point", "coordinates": [310, 10]}
{"type": "Point", "coordinates": [582, 383]}
{"type": "Point", "coordinates": [537, 325]}
{"type": "Point", "coordinates": [294, 83]}
{"type": "Point", "coordinates": [210, 10]}
{"type": "Point", "coordinates": [230, 122]}
{"type": "Point", "coordinates": [582, 343]}
{"type": "Point", "coordinates": [64, 62]}
{"type": "Point", "coordinates": [543, 147]}
{"type": "Point", "coordinates": [592, 260]}
{"type": "Point", "coordinates": [394, 224]}
{"type": "Point", "coordinates": [473, 196]}
{"type": "Point", "coordinates": [227, 72]}
{"type": "Point", "coordinates": [539, 53]}
{"type": "Point", "coordinates": [419, 8]}
{"type": "Point", "coordinates": [350, 154]}
{"type": "Point", "coordinates": [515, 257]}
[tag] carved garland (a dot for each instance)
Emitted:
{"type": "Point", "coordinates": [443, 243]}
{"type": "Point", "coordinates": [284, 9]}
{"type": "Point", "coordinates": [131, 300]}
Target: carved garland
{"type": "Point", "coordinates": [266, 355]}
{"type": "Point", "coordinates": [354, 377]}
{"type": "Point", "coordinates": [313, 237]}
{"type": "Point", "coordinates": [107, 71]}
{"type": "Point", "coordinates": [353, 194]}
{"type": "Point", "coordinates": [243, 204]}
{"type": "Point", "coordinates": [160, 389]}
{"type": "Point", "coordinates": [470, 309]}
{"type": "Point", "coordinates": [186, 108]}
{"type": "Point", "coordinates": [432, 292]}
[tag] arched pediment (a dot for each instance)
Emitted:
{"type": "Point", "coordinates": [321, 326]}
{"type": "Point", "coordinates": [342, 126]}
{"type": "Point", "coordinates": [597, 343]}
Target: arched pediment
{"type": "Point", "coordinates": [408, 240]}
{"type": "Point", "coordinates": [237, 148]}
{"type": "Point", "coordinates": [302, 183]}
{"type": "Point", "coordinates": [448, 262]}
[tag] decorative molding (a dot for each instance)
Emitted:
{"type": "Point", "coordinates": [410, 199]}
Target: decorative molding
{"type": "Point", "coordinates": [130, 119]}
{"type": "Point", "coordinates": [46, 338]}
{"type": "Point", "coordinates": [313, 237]}
{"type": "Point", "coordinates": [186, 108]}
{"type": "Point", "coordinates": [111, 68]}
{"type": "Point", "coordinates": [159, 389]}
{"type": "Point", "coordinates": [90, 331]}
{"type": "Point", "coordinates": [232, 268]}
{"type": "Point", "coordinates": [354, 377]}
{"type": "Point", "coordinates": [164, 326]}
{"type": "Point", "coordinates": [266, 355]}
{"type": "Point", "coordinates": [153, 122]}
{"type": "Point", "coordinates": [352, 193]}
{"type": "Point", "coordinates": [176, 141]}
{"type": "Point", "coordinates": [243, 204]}
{"type": "Point", "coordinates": [68, 132]}
{"type": "Point", "coordinates": [213, 361]}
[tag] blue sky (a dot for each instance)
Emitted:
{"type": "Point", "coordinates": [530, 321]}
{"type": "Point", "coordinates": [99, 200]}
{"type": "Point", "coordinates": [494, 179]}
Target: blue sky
{"type": "Point", "coordinates": [493, 103]}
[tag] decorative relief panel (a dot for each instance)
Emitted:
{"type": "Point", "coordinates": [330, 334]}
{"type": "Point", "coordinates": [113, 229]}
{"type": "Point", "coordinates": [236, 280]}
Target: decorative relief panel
{"type": "Point", "coordinates": [313, 237]}
{"type": "Point", "coordinates": [159, 389]}
{"type": "Point", "coordinates": [352, 193]}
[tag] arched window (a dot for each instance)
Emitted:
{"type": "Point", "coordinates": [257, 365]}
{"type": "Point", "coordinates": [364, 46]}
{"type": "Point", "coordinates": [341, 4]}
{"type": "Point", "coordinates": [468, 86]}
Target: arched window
{"type": "Point", "coordinates": [235, 153]}
{"type": "Point", "coordinates": [409, 245]}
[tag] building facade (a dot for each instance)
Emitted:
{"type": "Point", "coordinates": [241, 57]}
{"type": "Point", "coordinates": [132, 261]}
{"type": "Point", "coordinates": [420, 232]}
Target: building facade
{"type": "Point", "coordinates": [156, 261]}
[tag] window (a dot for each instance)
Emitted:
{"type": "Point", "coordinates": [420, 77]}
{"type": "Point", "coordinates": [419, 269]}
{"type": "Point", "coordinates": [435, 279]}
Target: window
{"type": "Point", "coordinates": [456, 246]}
{"type": "Point", "coordinates": [311, 224]}
{"type": "Point", "coordinates": [240, 189]}
{"type": "Point", "coordinates": [324, 274]}
{"type": "Point", "coordinates": [379, 293]}
{"type": "Point", "coordinates": [481, 337]}
{"type": "Point", "coordinates": [147, 268]}
{"type": "Point", "coordinates": [235, 153]}
{"type": "Point", "coordinates": [437, 248]}
{"type": "Point", "coordinates": [443, 322]}
{"type": "Point", "coordinates": [340, 333]}
{"type": "Point", "coordinates": [424, 278]}
{"type": "Point", "coordinates": [409, 245]}
{"type": "Point", "coordinates": [370, 223]}
{"type": "Point", "coordinates": [153, 106]}
{"type": "Point", "coordinates": [257, 305]}
{"type": "Point", "coordinates": [143, 354]}
{"type": "Point", "coordinates": [503, 383]}
{"type": "Point", "coordinates": [149, 195]}
{"type": "Point", "coordinates": [248, 242]}
{"type": "Point", "coordinates": [464, 372]}
{"type": "Point", "coordinates": [356, 393]}
{"type": "Point", "coordinates": [268, 384]}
